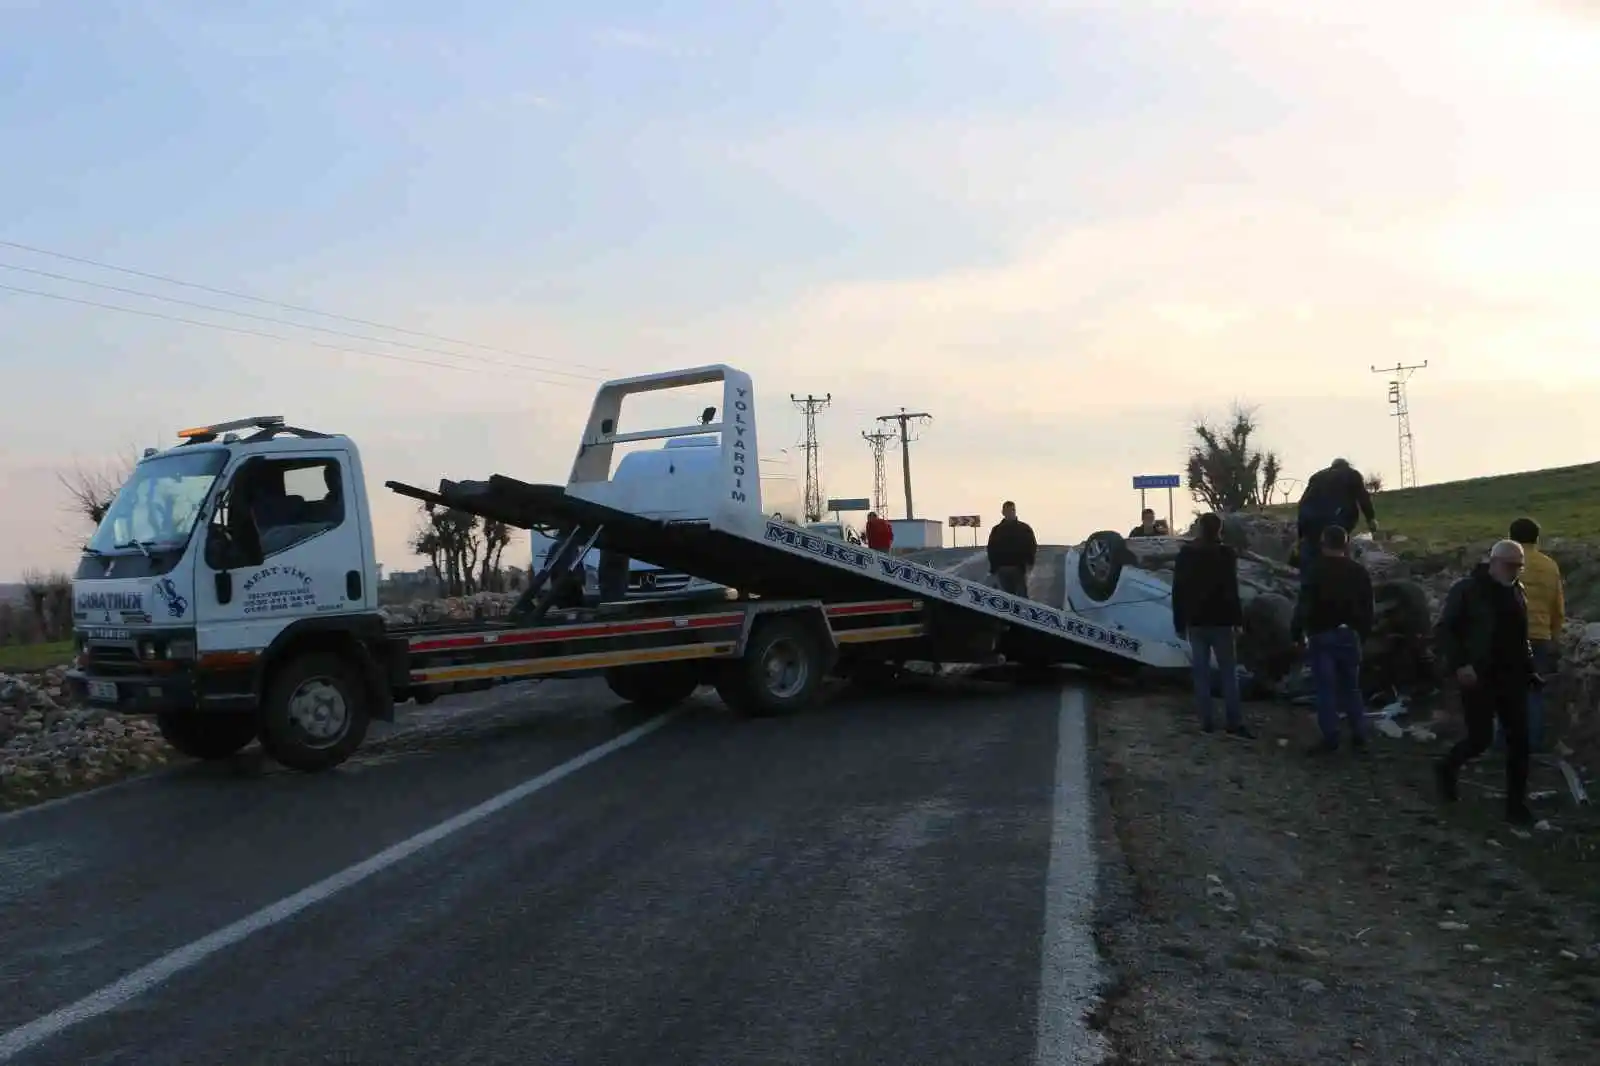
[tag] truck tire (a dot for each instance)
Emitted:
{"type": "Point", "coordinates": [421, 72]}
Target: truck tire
{"type": "Point", "coordinates": [315, 714]}
{"type": "Point", "coordinates": [658, 685]}
{"type": "Point", "coordinates": [782, 669]}
{"type": "Point", "coordinates": [209, 736]}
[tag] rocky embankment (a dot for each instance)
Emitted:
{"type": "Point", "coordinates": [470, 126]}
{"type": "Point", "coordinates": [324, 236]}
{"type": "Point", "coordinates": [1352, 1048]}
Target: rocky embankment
{"type": "Point", "coordinates": [47, 746]}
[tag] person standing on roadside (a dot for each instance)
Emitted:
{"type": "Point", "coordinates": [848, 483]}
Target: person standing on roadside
{"type": "Point", "coordinates": [1332, 620]}
{"type": "Point", "coordinates": [1012, 548]}
{"type": "Point", "coordinates": [880, 534]}
{"type": "Point", "coordinates": [1547, 615]}
{"type": "Point", "coordinates": [1334, 496]}
{"type": "Point", "coordinates": [1482, 634]}
{"type": "Point", "coordinates": [1206, 610]}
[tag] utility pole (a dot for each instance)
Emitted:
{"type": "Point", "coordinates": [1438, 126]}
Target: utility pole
{"type": "Point", "coordinates": [905, 418]}
{"type": "Point", "coordinates": [1402, 414]}
{"type": "Point", "coordinates": [878, 441]}
{"type": "Point", "coordinates": [811, 405]}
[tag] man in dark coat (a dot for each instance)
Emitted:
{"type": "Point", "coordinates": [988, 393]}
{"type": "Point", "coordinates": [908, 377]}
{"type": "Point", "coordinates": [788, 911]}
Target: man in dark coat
{"type": "Point", "coordinates": [1333, 618]}
{"type": "Point", "coordinates": [1206, 611]}
{"type": "Point", "coordinates": [1012, 548]}
{"type": "Point", "coordinates": [1482, 634]}
{"type": "Point", "coordinates": [1336, 495]}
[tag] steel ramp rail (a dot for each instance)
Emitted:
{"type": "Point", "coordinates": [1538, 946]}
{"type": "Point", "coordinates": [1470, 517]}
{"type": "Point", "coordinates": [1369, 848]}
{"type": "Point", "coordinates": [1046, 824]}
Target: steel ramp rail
{"type": "Point", "coordinates": [819, 568]}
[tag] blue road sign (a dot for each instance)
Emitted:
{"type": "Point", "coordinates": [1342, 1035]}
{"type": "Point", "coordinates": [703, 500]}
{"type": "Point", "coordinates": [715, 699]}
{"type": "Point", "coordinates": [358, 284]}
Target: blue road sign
{"type": "Point", "coordinates": [1158, 481]}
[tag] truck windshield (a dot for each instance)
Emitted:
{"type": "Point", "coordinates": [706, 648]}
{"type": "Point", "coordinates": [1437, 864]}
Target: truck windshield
{"type": "Point", "coordinates": [158, 505]}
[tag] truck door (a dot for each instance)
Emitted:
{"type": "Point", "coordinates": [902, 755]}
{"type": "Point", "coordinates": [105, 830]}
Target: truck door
{"type": "Point", "coordinates": [284, 543]}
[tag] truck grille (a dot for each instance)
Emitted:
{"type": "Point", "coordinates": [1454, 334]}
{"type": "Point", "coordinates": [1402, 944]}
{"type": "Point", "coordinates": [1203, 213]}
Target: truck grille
{"type": "Point", "coordinates": [645, 582]}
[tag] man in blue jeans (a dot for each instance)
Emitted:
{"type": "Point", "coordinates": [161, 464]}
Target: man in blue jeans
{"type": "Point", "coordinates": [1334, 496]}
{"type": "Point", "coordinates": [1332, 620]}
{"type": "Point", "coordinates": [1206, 609]}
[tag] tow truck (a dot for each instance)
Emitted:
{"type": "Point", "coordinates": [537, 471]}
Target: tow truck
{"type": "Point", "coordinates": [231, 592]}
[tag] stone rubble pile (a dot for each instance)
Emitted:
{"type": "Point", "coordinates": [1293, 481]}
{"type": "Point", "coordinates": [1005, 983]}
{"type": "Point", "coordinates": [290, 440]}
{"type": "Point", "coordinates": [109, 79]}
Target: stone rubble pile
{"type": "Point", "coordinates": [481, 605]}
{"type": "Point", "coordinates": [47, 746]}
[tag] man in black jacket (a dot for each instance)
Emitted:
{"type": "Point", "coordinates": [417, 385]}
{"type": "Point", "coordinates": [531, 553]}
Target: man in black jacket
{"type": "Point", "coordinates": [1332, 619]}
{"type": "Point", "coordinates": [1206, 610]}
{"type": "Point", "coordinates": [1012, 548]}
{"type": "Point", "coordinates": [1334, 496]}
{"type": "Point", "coordinates": [1482, 634]}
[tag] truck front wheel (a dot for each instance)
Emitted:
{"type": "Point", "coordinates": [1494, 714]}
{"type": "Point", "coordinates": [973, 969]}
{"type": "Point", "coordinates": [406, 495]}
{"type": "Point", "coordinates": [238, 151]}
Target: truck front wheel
{"type": "Point", "coordinates": [782, 669]}
{"type": "Point", "coordinates": [208, 736]}
{"type": "Point", "coordinates": [316, 712]}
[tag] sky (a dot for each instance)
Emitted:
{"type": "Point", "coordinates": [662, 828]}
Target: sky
{"type": "Point", "coordinates": [1065, 228]}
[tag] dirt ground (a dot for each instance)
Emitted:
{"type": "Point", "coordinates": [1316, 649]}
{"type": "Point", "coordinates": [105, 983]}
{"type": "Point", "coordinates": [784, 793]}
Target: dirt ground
{"type": "Point", "coordinates": [1260, 906]}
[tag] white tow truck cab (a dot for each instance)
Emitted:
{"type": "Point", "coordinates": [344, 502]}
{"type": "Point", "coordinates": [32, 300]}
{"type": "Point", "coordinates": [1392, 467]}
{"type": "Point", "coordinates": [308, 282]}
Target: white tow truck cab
{"type": "Point", "coordinates": [230, 589]}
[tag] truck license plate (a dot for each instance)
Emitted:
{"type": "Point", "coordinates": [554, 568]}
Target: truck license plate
{"type": "Point", "coordinates": [103, 691]}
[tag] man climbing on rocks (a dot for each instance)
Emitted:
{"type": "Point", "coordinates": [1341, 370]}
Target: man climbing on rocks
{"type": "Point", "coordinates": [1336, 495]}
{"type": "Point", "coordinates": [1547, 614]}
{"type": "Point", "coordinates": [1332, 620]}
{"type": "Point", "coordinates": [1012, 548]}
{"type": "Point", "coordinates": [1482, 634]}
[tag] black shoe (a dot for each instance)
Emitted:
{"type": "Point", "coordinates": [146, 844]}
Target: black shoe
{"type": "Point", "coordinates": [1208, 727]}
{"type": "Point", "coordinates": [1519, 814]}
{"type": "Point", "coordinates": [1323, 747]}
{"type": "Point", "coordinates": [1241, 732]}
{"type": "Point", "coordinates": [1359, 746]}
{"type": "Point", "coordinates": [1444, 776]}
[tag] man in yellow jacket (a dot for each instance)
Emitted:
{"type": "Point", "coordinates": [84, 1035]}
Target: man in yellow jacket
{"type": "Point", "coordinates": [1547, 613]}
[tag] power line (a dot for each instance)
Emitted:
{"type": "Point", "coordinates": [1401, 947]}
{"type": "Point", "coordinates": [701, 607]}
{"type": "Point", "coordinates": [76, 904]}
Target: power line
{"type": "Point", "coordinates": [1402, 414]}
{"type": "Point", "coordinates": [292, 325]}
{"type": "Point", "coordinates": [263, 333]}
{"type": "Point", "coordinates": [905, 418]}
{"type": "Point", "coordinates": [300, 309]}
{"type": "Point", "coordinates": [878, 441]}
{"type": "Point", "coordinates": [811, 405]}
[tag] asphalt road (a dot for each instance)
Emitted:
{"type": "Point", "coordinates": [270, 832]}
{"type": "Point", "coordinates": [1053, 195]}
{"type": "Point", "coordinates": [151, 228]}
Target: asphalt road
{"type": "Point", "coordinates": [896, 881]}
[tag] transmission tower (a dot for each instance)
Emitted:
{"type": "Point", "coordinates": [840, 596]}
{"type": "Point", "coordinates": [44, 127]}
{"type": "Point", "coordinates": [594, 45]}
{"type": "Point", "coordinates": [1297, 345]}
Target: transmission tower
{"type": "Point", "coordinates": [811, 405]}
{"type": "Point", "coordinates": [878, 441]}
{"type": "Point", "coordinates": [1402, 413]}
{"type": "Point", "coordinates": [905, 418]}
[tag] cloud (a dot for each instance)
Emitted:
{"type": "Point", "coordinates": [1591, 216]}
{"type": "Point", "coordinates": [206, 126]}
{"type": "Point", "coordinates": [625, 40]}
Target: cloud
{"type": "Point", "coordinates": [630, 40]}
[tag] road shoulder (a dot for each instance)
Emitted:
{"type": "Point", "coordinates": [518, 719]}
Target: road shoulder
{"type": "Point", "coordinates": [1259, 907]}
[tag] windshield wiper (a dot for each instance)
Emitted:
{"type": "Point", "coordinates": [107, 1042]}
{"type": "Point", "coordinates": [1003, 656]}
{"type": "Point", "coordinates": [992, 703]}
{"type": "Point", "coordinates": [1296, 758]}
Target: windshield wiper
{"type": "Point", "coordinates": [142, 545]}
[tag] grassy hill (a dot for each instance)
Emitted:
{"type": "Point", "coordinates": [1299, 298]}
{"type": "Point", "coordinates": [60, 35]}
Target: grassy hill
{"type": "Point", "coordinates": [1565, 501]}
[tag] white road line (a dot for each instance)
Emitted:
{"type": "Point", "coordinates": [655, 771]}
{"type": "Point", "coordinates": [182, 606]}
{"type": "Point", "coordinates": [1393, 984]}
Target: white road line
{"type": "Point", "coordinates": [1069, 970]}
{"type": "Point", "coordinates": [168, 966]}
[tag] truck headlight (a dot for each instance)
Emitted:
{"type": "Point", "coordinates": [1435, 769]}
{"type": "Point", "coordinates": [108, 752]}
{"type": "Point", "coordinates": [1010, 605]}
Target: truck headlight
{"type": "Point", "coordinates": [181, 649]}
{"type": "Point", "coordinates": [147, 650]}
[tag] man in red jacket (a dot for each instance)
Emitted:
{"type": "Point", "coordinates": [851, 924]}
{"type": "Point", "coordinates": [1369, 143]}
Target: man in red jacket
{"type": "Point", "coordinates": [880, 534]}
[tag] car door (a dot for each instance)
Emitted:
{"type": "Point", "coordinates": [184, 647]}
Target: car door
{"type": "Point", "coordinates": [284, 543]}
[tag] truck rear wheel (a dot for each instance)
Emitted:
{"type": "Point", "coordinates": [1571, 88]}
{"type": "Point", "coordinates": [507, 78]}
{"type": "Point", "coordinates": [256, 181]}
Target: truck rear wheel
{"type": "Point", "coordinates": [782, 669]}
{"type": "Point", "coordinates": [315, 714]}
{"type": "Point", "coordinates": [658, 685]}
{"type": "Point", "coordinates": [209, 736]}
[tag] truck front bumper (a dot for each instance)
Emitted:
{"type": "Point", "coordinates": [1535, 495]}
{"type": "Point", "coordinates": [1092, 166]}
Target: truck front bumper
{"type": "Point", "coordinates": [135, 693]}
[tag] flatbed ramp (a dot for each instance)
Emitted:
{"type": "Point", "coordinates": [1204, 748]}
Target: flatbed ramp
{"type": "Point", "coordinates": [786, 561]}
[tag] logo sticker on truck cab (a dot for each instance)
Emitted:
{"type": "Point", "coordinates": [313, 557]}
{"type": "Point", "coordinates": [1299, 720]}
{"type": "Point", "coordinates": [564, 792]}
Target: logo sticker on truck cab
{"type": "Point", "coordinates": [276, 589]}
{"type": "Point", "coordinates": [167, 592]}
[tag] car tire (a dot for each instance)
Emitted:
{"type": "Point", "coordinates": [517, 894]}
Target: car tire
{"type": "Point", "coordinates": [1100, 564]}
